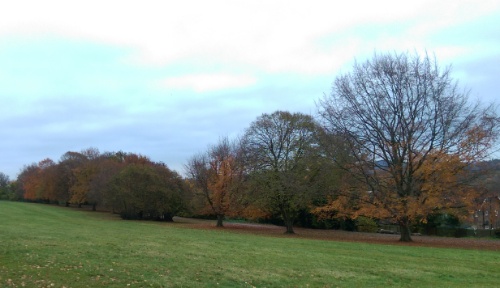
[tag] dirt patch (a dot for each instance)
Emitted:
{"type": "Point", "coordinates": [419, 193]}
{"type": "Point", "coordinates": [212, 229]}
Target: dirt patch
{"type": "Point", "coordinates": [338, 235]}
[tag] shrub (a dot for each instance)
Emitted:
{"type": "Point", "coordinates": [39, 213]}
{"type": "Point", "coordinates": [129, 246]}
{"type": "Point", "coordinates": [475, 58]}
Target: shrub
{"type": "Point", "coordinates": [365, 224]}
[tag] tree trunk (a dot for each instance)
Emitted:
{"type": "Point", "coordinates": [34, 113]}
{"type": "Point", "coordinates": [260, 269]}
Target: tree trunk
{"type": "Point", "coordinates": [220, 218]}
{"type": "Point", "coordinates": [94, 206]}
{"type": "Point", "coordinates": [168, 217]}
{"type": "Point", "coordinates": [288, 221]}
{"type": "Point", "coordinates": [289, 226]}
{"type": "Point", "coordinates": [404, 226]}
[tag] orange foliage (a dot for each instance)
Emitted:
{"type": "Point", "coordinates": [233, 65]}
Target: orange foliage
{"type": "Point", "coordinates": [438, 186]}
{"type": "Point", "coordinates": [223, 175]}
{"type": "Point", "coordinates": [254, 212]}
{"type": "Point", "coordinates": [38, 181]}
{"type": "Point", "coordinates": [81, 187]}
{"type": "Point", "coordinates": [31, 183]}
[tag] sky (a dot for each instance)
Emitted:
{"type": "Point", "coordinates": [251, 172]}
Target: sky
{"type": "Point", "coordinates": [166, 79]}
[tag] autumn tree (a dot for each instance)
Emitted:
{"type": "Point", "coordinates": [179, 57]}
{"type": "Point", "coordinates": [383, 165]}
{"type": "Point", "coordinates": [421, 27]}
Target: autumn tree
{"type": "Point", "coordinates": [48, 179]}
{"type": "Point", "coordinates": [36, 181]}
{"type": "Point", "coordinates": [277, 149]}
{"type": "Point", "coordinates": [80, 169]}
{"type": "Point", "coordinates": [412, 134]}
{"type": "Point", "coordinates": [146, 190]}
{"type": "Point", "coordinates": [99, 188]}
{"type": "Point", "coordinates": [332, 180]}
{"type": "Point", "coordinates": [68, 162]}
{"type": "Point", "coordinates": [129, 184]}
{"type": "Point", "coordinates": [217, 176]}
{"type": "Point", "coordinates": [26, 180]}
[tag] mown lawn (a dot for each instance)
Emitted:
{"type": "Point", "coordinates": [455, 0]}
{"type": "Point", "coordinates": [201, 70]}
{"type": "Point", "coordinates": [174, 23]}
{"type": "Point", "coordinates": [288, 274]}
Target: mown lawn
{"type": "Point", "coordinates": [49, 246]}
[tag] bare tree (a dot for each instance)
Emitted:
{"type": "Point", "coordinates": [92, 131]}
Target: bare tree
{"type": "Point", "coordinates": [217, 176]}
{"type": "Point", "coordinates": [411, 132]}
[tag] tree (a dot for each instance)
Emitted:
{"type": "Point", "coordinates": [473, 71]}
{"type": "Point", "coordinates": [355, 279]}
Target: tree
{"type": "Point", "coordinates": [146, 190]}
{"type": "Point", "coordinates": [100, 191]}
{"type": "Point", "coordinates": [217, 176]}
{"type": "Point", "coordinates": [48, 181]}
{"type": "Point", "coordinates": [174, 197]}
{"type": "Point", "coordinates": [488, 202]}
{"type": "Point", "coordinates": [37, 181]}
{"type": "Point", "coordinates": [5, 192]}
{"type": "Point", "coordinates": [277, 149]}
{"type": "Point", "coordinates": [4, 180]}
{"type": "Point", "coordinates": [80, 189]}
{"type": "Point", "coordinates": [27, 182]}
{"type": "Point", "coordinates": [68, 166]}
{"type": "Point", "coordinates": [412, 134]}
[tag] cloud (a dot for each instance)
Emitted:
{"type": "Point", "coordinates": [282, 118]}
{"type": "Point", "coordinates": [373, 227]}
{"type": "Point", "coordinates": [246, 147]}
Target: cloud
{"type": "Point", "coordinates": [265, 34]}
{"type": "Point", "coordinates": [167, 78]}
{"type": "Point", "coordinates": [208, 82]}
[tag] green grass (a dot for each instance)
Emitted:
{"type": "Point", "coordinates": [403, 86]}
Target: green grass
{"type": "Point", "coordinates": [48, 246]}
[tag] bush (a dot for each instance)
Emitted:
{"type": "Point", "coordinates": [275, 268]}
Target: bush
{"type": "Point", "coordinates": [307, 219]}
{"type": "Point", "coordinates": [365, 224]}
{"type": "Point", "coordinates": [497, 232]}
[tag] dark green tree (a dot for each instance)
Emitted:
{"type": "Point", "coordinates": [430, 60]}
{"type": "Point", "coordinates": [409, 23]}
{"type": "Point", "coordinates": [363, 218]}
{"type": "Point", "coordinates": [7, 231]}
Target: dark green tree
{"type": "Point", "coordinates": [5, 189]}
{"type": "Point", "coordinates": [279, 154]}
{"type": "Point", "coordinates": [147, 191]}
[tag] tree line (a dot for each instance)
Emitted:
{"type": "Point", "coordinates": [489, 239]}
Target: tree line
{"type": "Point", "coordinates": [128, 184]}
{"type": "Point", "coordinates": [395, 140]}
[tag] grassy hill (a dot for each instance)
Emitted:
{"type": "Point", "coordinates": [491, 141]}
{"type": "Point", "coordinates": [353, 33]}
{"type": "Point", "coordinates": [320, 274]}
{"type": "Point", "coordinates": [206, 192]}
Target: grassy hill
{"type": "Point", "coordinates": [49, 246]}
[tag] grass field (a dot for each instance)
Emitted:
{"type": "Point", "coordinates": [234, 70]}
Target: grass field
{"type": "Point", "coordinates": [49, 246]}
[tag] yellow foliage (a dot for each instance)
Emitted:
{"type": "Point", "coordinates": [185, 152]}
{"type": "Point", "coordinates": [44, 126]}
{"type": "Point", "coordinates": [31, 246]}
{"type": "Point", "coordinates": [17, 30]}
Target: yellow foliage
{"type": "Point", "coordinates": [437, 186]}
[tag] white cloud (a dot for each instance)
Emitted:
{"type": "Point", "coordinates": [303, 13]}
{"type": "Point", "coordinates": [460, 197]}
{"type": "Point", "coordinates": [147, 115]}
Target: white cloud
{"type": "Point", "coordinates": [275, 36]}
{"type": "Point", "coordinates": [225, 62]}
{"type": "Point", "coordinates": [207, 82]}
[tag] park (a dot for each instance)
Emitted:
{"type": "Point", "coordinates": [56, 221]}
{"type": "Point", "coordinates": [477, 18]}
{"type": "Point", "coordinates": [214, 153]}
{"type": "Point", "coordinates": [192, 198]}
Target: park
{"type": "Point", "coordinates": [55, 246]}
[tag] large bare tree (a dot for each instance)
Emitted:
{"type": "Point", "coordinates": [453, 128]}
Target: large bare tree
{"type": "Point", "coordinates": [413, 135]}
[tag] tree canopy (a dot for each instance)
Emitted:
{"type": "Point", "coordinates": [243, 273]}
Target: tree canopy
{"type": "Point", "coordinates": [126, 183]}
{"type": "Point", "coordinates": [397, 140]}
{"type": "Point", "coordinates": [217, 176]}
{"type": "Point", "coordinates": [277, 151]}
{"type": "Point", "coordinates": [412, 134]}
